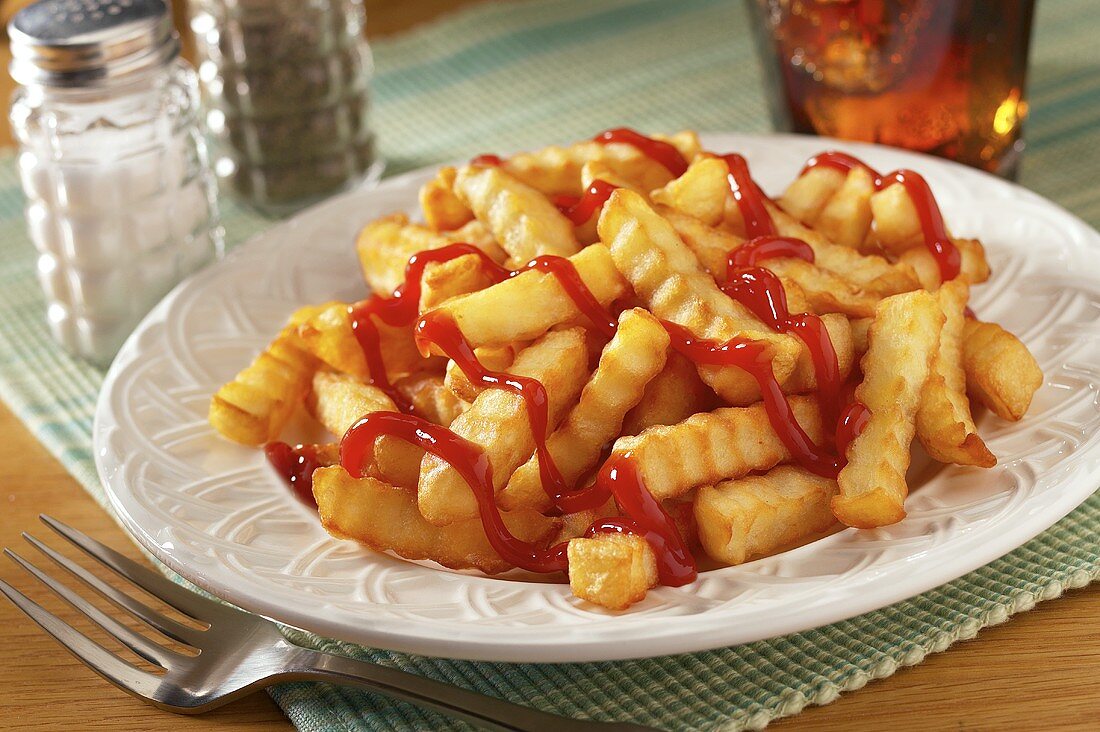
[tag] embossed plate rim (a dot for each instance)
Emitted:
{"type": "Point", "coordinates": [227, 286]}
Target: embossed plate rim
{"type": "Point", "coordinates": [658, 626]}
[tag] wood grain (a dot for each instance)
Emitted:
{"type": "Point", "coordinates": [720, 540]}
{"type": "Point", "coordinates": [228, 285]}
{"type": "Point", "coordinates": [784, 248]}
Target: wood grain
{"type": "Point", "coordinates": [1039, 670]}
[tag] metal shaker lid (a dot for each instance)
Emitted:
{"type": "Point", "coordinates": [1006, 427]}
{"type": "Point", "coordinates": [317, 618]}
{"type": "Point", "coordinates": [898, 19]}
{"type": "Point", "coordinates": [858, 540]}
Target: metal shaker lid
{"type": "Point", "coordinates": [72, 43]}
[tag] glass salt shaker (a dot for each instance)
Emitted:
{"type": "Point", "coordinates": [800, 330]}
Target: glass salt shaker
{"type": "Point", "coordinates": [285, 89]}
{"type": "Point", "coordinates": [120, 199]}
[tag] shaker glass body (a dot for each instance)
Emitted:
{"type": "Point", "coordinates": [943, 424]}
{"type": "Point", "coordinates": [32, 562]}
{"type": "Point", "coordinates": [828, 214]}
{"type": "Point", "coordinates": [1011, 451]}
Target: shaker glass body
{"type": "Point", "coordinates": [119, 200]}
{"type": "Point", "coordinates": [285, 87]}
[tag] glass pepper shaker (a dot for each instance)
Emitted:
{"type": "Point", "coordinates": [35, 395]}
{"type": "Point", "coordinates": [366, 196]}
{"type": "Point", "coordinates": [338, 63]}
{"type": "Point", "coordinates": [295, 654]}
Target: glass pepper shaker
{"type": "Point", "coordinates": [120, 198]}
{"type": "Point", "coordinates": [285, 88]}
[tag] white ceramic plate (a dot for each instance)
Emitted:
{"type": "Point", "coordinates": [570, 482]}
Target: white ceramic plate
{"type": "Point", "coordinates": [215, 513]}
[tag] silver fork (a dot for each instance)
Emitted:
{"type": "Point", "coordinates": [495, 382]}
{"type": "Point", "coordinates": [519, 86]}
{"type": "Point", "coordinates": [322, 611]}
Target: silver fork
{"type": "Point", "coordinates": [238, 653]}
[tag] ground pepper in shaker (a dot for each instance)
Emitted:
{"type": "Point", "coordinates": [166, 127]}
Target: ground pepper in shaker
{"type": "Point", "coordinates": [285, 91]}
{"type": "Point", "coordinates": [120, 197]}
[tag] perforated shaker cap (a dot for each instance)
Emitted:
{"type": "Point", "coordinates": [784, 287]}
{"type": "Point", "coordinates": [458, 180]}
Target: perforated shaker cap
{"type": "Point", "coordinates": [71, 43]}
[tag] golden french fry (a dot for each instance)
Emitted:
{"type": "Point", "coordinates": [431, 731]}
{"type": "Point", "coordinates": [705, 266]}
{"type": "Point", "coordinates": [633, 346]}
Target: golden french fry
{"type": "Point", "coordinates": [804, 376]}
{"type": "Point", "coordinates": [902, 343]}
{"type": "Point", "coordinates": [557, 170]}
{"type": "Point", "coordinates": [503, 314]}
{"type": "Point", "coordinates": [612, 570]}
{"type": "Point", "coordinates": [846, 217]}
{"type": "Point", "coordinates": [700, 192]}
{"type": "Point", "coordinates": [494, 358]}
{"type": "Point", "coordinates": [329, 337]}
{"type": "Point", "coordinates": [871, 273]}
{"type": "Point", "coordinates": [385, 518]}
{"type": "Point", "coordinates": [703, 192]}
{"type": "Point", "coordinates": [826, 291]}
{"type": "Point", "coordinates": [522, 220]}
{"type": "Point", "coordinates": [973, 269]}
{"type": "Point", "coordinates": [713, 446]}
{"type": "Point", "coordinates": [670, 397]}
{"type": "Point", "coordinates": [431, 398]}
{"type": "Point", "coordinates": [386, 244]}
{"type": "Point", "coordinates": [633, 357]}
{"type": "Point", "coordinates": [600, 170]}
{"type": "Point", "coordinates": [807, 195]}
{"type": "Point", "coordinates": [757, 515]}
{"type": "Point", "coordinates": [604, 170]}
{"type": "Point", "coordinates": [682, 512]}
{"type": "Point", "coordinates": [1000, 372]}
{"type": "Point", "coordinates": [897, 225]}
{"type": "Point", "coordinates": [498, 421]}
{"type": "Point", "coordinates": [443, 209]}
{"type": "Point", "coordinates": [255, 406]}
{"type": "Point", "coordinates": [575, 525]}
{"type": "Point", "coordinates": [338, 401]}
{"type": "Point", "coordinates": [859, 328]}
{"type": "Point", "coordinates": [445, 280]}
{"type": "Point", "coordinates": [945, 426]}
{"type": "Point", "coordinates": [670, 281]}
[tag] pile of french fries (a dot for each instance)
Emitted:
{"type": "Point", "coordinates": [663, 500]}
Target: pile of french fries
{"type": "Point", "coordinates": [700, 435]}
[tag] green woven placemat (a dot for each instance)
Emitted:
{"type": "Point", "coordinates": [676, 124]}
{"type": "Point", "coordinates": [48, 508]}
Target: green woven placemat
{"type": "Point", "coordinates": [522, 74]}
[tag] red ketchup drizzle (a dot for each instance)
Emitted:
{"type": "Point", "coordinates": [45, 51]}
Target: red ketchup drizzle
{"type": "Point", "coordinates": [939, 244]}
{"type": "Point", "coordinates": [579, 210]}
{"type": "Point", "coordinates": [852, 421]}
{"type": "Point", "coordinates": [440, 330]}
{"type": "Point", "coordinates": [487, 159]}
{"type": "Point", "coordinates": [750, 199]}
{"type": "Point", "coordinates": [656, 150]}
{"type": "Point", "coordinates": [295, 465]}
{"type": "Point", "coordinates": [762, 292]}
{"type": "Point", "coordinates": [400, 309]}
{"type": "Point", "coordinates": [753, 357]}
{"type": "Point", "coordinates": [619, 477]}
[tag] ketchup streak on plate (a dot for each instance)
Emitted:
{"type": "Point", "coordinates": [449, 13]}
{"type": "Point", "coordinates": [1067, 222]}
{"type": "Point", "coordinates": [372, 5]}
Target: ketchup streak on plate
{"type": "Point", "coordinates": [295, 465]}
{"type": "Point", "coordinates": [939, 244]}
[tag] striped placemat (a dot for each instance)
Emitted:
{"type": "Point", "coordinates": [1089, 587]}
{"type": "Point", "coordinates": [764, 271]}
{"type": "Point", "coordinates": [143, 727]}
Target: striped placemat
{"type": "Point", "coordinates": [522, 74]}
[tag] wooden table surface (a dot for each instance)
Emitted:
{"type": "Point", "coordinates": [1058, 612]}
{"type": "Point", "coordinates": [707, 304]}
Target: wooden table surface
{"type": "Point", "coordinates": [1038, 671]}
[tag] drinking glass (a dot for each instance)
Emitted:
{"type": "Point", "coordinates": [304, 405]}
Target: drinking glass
{"type": "Point", "coordinates": [944, 77]}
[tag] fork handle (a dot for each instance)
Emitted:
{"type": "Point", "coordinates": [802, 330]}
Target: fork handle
{"type": "Point", "coordinates": [454, 701]}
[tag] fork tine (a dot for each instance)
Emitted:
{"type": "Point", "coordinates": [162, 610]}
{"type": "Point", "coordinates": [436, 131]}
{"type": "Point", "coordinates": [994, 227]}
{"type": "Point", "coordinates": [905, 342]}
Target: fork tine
{"type": "Point", "coordinates": [136, 642]}
{"type": "Point", "coordinates": [95, 656]}
{"type": "Point", "coordinates": [164, 624]}
{"type": "Point", "coordinates": [182, 599]}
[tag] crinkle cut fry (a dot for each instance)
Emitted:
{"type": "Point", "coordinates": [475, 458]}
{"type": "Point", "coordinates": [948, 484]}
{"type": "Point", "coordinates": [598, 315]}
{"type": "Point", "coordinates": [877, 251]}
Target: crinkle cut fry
{"type": "Point", "coordinates": [522, 220]}
{"type": "Point", "coordinates": [1001, 372]}
{"type": "Point", "coordinates": [612, 570]}
{"type": "Point", "coordinates": [945, 426]}
{"type": "Point", "coordinates": [556, 170]}
{"type": "Point", "coordinates": [713, 446]}
{"type": "Point", "coordinates": [670, 281]}
{"type": "Point", "coordinates": [385, 518]}
{"type": "Point", "coordinates": [503, 314]}
{"type": "Point", "coordinates": [903, 340]}
{"type": "Point", "coordinates": [253, 408]}
{"type": "Point", "coordinates": [757, 515]}
{"type": "Point", "coordinates": [498, 421]}
{"type": "Point", "coordinates": [633, 357]}
{"type": "Point", "coordinates": [386, 244]}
